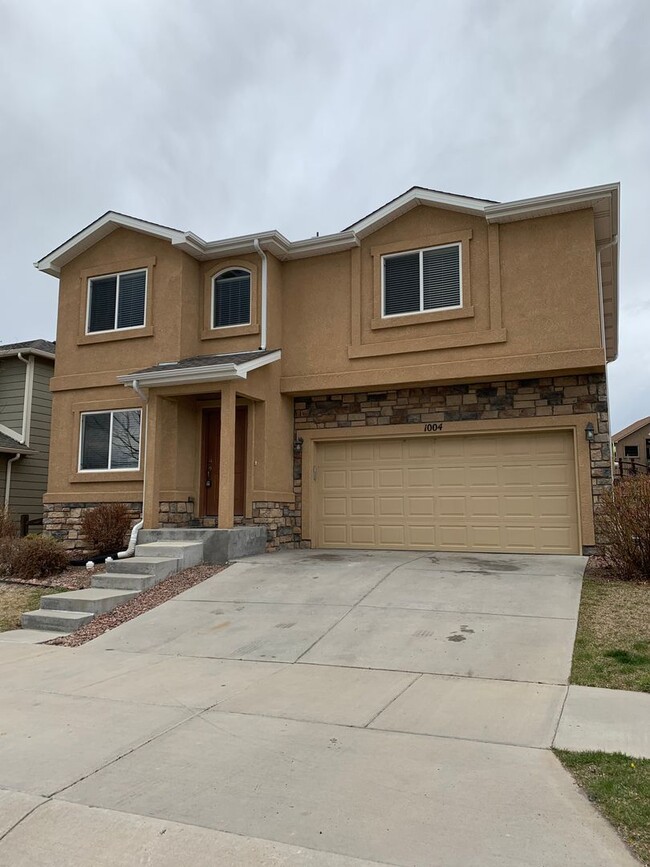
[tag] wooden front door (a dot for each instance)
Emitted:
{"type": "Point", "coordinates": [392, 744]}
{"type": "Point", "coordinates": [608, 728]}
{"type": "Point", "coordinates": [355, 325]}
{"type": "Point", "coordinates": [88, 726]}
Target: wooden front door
{"type": "Point", "coordinates": [210, 460]}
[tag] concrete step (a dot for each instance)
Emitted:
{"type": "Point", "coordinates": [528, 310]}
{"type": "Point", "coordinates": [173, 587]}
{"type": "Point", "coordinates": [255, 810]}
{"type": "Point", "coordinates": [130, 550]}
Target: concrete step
{"type": "Point", "coordinates": [196, 534]}
{"type": "Point", "coordinates": [189, 553]}
{"type": "Point", "coordinates": [219, 546]}
{"type": "Point", "coordinates": [161, 567]}
{"type": "Point", "coordinates": [56, 621]}
{"type": "Point", "coordinates": [94, 600]}
{"type": "Point", "coordinates": [124, 581]}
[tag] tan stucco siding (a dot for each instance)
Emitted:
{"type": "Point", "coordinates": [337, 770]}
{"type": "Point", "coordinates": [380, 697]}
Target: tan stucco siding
{"type": "Point", "coordinates": [638, 439]}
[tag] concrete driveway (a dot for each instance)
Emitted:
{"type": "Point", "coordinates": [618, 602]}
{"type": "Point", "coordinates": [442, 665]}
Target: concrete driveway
{"type": "Point", "coordinates": [309, 707]}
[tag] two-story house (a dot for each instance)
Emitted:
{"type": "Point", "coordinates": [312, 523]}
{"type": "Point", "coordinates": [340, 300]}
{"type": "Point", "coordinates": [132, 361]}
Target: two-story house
{"type": "Point", "coordinates": [25, 414]}
{"type": "Point", "coordinates": [432, 377]}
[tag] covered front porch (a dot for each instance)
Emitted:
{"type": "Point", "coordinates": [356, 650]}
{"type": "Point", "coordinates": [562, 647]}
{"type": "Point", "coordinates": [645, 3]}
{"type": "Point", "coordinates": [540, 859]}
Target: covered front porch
{"type": "Point", "coordinates": [217, 445]}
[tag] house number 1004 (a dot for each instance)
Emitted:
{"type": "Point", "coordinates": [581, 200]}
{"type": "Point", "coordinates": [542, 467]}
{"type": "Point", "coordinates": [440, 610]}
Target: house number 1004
{"type": "Point", "coordinates": [429, 428]}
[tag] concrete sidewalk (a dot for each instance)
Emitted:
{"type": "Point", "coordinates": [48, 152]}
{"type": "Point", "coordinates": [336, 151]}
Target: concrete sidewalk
{"type": "Point", "coordinates": [610, 720]}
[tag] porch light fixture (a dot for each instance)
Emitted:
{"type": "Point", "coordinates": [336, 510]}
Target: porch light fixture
{"type": "Point", "coordinates": [297, 445]}
{"type": "Point", "coordinates": [589, 433]}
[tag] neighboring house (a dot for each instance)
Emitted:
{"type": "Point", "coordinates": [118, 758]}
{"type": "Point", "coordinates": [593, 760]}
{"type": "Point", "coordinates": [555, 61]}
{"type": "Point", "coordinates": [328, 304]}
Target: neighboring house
{"type": "Point", "coordinates": [25, 414]}
{"type": "Point", "coordinates": [432, 377]}
{"type": "Point", "coordinates": [633, 443]}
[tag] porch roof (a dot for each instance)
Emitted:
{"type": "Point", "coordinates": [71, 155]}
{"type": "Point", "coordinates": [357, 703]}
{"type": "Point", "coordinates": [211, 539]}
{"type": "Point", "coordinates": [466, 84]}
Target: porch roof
{"type": "Point", "coordinates": [8, 445]}
{"type": "Point", "coordinates": [202, 368]}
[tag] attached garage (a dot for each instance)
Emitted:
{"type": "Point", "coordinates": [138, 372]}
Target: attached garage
{"type": "Point", "coordinates": [505, 492]}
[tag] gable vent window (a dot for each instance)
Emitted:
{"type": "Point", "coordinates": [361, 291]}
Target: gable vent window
{"type": "Point", "coordinates": [110, 440]}
{"type": "Point", "coordinates": [116, 301]}
{"type": "Point", "coordinates": [231, 298]}
{"type": "Point", "coordinates": [422, 280]}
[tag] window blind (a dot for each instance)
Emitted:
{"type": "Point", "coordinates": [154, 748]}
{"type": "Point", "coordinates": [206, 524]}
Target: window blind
{"type": "Point", "coordinates": [232, 298]}
{"type": "Point", "coordinates": [130, 311]}
{"type": "Point", "coordinates": [401, 284]}
{"type": "Point", "coordinates": [102, 304]}
{"type": "Point", "coordinates": [441, 277]}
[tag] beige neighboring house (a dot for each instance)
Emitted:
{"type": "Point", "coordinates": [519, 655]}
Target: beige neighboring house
{"type": "Point", "coordinates": [25, 417]}
{"type": "Point", "coordinates": [432, 377]}
{"type": "Point", "coordinates": [633, 443]}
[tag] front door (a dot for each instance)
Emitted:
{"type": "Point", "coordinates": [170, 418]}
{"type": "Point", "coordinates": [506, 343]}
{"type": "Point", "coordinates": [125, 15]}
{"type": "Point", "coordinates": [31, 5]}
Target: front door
{"type": "Point", "coordinates": [210, 461]}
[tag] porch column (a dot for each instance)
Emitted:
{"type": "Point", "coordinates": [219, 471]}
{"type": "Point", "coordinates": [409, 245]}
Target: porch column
{"type": "Point", "coordinates": [151, 473]}
{"type": "Point", "coordinates": [227, 457]}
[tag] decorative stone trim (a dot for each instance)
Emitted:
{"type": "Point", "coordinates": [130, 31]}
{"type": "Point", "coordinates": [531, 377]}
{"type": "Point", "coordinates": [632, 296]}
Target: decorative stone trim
{"type": "Point", "coordinates": [63, 522]}
{"type": "Point", "coordinates": [282, 522]}
{"type": "Point", "coordinates": [176, 513]}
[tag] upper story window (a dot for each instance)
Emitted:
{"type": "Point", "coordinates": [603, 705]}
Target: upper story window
{"type": "Point", "coordinates": [110, 440]}
{"type": "Point", "coordinates": [231, 298]}
{"type": "Point", "coordinates": [422, 280]}
{"type": "Point", "coordinates": [117, 301]}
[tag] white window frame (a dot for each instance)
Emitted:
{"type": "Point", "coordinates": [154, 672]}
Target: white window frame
{"type": "Point", "coordinates": [214, 327]}
{"type": "Point", "coordinates": [117, 274]}
{"type": "Point", "coordinates": [625, 448]}
{"type": "Point", "coordinates": [421, 252]}
{"type": "Point", "coordinates": [108, 469]}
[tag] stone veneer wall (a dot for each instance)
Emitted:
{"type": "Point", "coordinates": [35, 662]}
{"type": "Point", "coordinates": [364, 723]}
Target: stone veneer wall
{"type": "Point", "coordinates": [176, 514]}
{"type": "Point", "coordinates": [282, 522]}
{"type": "Point", "coordinates": [63, 521]}
{"type": "Point", "coordinates": [517, 398]}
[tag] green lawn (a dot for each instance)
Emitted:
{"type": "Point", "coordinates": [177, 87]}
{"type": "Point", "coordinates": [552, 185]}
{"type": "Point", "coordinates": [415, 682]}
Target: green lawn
{"type": "Point", "coordinates": [620, 787]}
{"type": "Point", "coordinates": [612, 646]}
{"type": "Point", "coordinates": [16, 598]}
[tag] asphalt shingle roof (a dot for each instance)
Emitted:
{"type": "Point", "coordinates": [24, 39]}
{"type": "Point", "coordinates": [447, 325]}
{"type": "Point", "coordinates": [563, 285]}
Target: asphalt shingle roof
{"type": "Point", "coordinates": [208, 360]}
{"type": "Point", "coordinates": [40, 345]}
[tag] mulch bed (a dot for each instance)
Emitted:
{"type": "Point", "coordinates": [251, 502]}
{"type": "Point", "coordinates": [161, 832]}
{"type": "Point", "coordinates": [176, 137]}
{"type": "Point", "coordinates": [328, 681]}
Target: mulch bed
{"type": "Point", "coordinates": [137, 605]}
{"type": "Point", "coordinates": [72, 578]}
{"type": "Point", "coordinates": [598, 569]}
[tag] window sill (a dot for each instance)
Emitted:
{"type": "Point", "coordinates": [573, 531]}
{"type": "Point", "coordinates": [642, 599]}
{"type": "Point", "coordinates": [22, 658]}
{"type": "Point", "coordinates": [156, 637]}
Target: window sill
{"type": "Point", "coordinates": [110, 336]}
{"type": "Point", "coordinates": [229, 331]}
{"type": "Point", "coordinates": [107, 476]}
{"type": "Point", "coordinates": [422, 318]}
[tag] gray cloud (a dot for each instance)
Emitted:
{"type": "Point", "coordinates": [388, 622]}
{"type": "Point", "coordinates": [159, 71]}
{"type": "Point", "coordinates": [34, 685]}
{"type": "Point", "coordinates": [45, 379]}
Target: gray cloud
{"type": "Point", "coordinates": [231, 117]}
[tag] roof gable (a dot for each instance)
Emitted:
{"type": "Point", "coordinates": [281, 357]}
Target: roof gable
{"type": "Point", "coordinates": [631, 429]}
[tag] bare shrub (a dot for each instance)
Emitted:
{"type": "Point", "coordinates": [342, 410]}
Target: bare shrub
{"type": "Point", "coordinates": [7, 550]}
{"type": "Point", "coordinates": [7, 526]}
{"type": "Point", "coordinates": [38, 557]}
{"type": "Point", "coordinates": [623, 527]}
{"type": "Point", "coordinates": [105, 527]}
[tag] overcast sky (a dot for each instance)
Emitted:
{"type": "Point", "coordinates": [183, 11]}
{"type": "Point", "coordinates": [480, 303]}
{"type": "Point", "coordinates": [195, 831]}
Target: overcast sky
{"type": "Point", "coordinates": [231, 116]}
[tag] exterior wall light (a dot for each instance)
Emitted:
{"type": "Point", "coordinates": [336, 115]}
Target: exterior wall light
{"type": "Point", "coordinates": [589, 433]}
{"type": "Point", "coordinates": [297, 445]}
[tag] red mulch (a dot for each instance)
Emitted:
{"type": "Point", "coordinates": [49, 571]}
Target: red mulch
{"type": "Point", "coordinates": [137, 605]}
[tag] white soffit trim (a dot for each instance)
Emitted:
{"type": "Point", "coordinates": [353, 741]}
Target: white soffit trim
{"type": "Point", "coordinates": [192, 244]}
{"type": "Point", "coordinates": [189, 375]}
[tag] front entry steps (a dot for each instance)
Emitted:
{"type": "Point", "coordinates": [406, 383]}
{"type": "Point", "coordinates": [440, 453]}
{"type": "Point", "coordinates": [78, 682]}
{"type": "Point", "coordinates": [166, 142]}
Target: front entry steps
{"type": "Point", "coordinates": [158, 554]}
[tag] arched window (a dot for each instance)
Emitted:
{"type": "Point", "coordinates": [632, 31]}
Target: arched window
{"type": "Point", "coordinates": [231, 298]}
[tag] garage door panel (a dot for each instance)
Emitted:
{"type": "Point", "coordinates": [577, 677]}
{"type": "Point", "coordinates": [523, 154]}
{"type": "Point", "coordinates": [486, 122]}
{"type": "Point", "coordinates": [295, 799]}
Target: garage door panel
{"type": "Point", "coordinates": [362, 479]}
{"type": "Point", "coordinates": [497, 492]}
{"type": "Point", "coordinates": [478, 477]}
{"type": "Point", "coordinates": [362, 506]}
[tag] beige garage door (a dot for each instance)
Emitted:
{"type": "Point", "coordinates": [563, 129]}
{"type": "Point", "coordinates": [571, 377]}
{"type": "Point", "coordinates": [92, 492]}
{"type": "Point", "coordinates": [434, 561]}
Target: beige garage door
{"type": "Point", "coordinates": [501, 492]}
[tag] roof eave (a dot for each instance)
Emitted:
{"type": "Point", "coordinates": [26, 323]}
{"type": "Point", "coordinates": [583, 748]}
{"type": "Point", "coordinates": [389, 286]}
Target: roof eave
{"type": "Point", "coordinates": [191, 375]}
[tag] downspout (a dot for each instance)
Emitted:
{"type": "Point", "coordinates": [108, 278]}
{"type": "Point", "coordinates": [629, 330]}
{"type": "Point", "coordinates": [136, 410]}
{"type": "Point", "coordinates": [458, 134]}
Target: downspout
{"type": "Point", "coordinates": [264, 304]}
{"type": "Point", "coordinates": [27, 420]}
{"type": "Point", "coordinates": [599, 268]}
{"type": "Point", "coordinates": [8, 479]}
{"type": "Point", "coordinates": [133, 539]}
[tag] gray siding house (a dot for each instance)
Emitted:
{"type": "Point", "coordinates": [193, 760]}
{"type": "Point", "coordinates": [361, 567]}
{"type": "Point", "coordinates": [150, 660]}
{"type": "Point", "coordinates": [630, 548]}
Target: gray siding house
{"type": "Point", "coordinates": [25, 415]}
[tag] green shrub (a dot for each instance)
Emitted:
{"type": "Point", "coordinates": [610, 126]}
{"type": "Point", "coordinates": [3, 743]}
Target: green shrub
{"type": "Point", "coordinates": [38, 557]}
{"type": "Point", "coordinates": [105, 527]}
{"type": "Point", "coordinates": [623, 528]}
